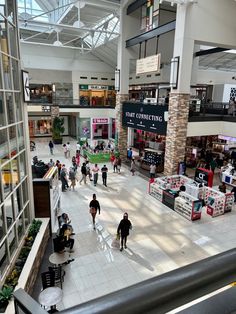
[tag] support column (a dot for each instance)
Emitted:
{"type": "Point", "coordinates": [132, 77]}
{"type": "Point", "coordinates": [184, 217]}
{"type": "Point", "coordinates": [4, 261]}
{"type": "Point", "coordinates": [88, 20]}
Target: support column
{"type": "Point", "coordinates": [176, 132]}
{"type": "Point", "coordinates": [179, 98]}
{"type": "Point", "coordinates": [121, 133]}
{"type": "Point", "coordinates": [55, 112]}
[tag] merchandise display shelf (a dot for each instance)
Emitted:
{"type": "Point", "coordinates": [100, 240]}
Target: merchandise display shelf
{"type": "Point", "coordinates": [188, 206]}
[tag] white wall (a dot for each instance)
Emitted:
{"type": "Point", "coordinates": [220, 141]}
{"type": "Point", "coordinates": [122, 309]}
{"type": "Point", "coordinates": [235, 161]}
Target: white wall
{"type": "Point", "coordinates": [215, 77]}
{"type": "Point", "coordinates": [218, 91]}
{"type": "Point", "coordinates": [90, 113]}
{"type": "Point", "coordinates": [49, 76]}
{"type": "Point", "coordinates": [211, 128]}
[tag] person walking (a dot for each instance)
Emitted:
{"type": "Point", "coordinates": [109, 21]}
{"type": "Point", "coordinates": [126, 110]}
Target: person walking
{"type": "Point", "coordinates": [123, 230]}
{"type": "Point", "coordinates": [65, 150]}
{"type": "Point", "coordinates": [104, 175]}
{"type": "Point", "coordinates": [63, 177]}
{"type": "Point", "coordinates": [68, 149]}
{"type": "Point", "coordinates": [84, 173]}
{"type": "Point", "coordinates": [94, 206]}
{"type": "Point", "coordinates": [132, 167]}
{"type": "Point", "coordinates": [152, 170]}
{"type": "Point", "coordinates": [72, 178]}
{"type": "Point", "coordinates": [130, 154]}
{"type": "Point", "coordinates": [51, 146]}
{"type": "Point", "coordinates": [77, 158]}
{"type": "Point", "coordinates": [95, 170]}
{"type": "Point", "coordinates": [115, 164]}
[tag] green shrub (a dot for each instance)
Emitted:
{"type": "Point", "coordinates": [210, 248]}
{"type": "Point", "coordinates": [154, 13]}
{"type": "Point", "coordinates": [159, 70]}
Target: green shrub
{"type": "Point", "coordinates": [34, 228]}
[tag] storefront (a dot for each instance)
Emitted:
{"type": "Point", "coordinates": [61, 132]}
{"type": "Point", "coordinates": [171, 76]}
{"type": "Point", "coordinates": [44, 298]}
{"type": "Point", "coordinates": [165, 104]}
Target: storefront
{"type": "Point", "coordinates": [41, 125]}
{"type": "Point", "coordinates": [97, 95]}
{"type": "Point", "coordinates": [96, 128]}
{"type": "Point", "coordinates": [148, 124]}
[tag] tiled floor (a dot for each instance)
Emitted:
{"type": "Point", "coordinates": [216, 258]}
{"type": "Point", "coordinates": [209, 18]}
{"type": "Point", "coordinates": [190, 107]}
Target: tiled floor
{"type": "Point", "coordinates": [160, 241]}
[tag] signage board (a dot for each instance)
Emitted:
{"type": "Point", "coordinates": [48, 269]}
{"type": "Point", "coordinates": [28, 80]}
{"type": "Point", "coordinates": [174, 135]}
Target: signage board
{"type": "Point", "coordinates": [204, 176]}
{"type": "Point", "coordinates": [146, 117]}
{"type": "Point", "coordinates": [25, 83]}
{"type": "Point", "coordinates": [100, 121]}
{"type": "Point", "coordinates": [148, 64]}
{"type": "Point", "coordinates": [98, 87]}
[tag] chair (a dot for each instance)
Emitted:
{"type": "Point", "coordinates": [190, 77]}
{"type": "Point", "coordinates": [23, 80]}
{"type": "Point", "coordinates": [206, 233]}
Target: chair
{"type": "Point", "coordinates": [48, 279]}
{"type": "Point", "coordinates": [59, 274]}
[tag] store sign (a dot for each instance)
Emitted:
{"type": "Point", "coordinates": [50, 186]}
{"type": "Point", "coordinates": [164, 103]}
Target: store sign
{"type": "Point", "coordinates": [100, 121]}
{"type": "Point", "coordinates": [98, 87]}
{"type": "Point", "coordinates": [148, 64]}
{"type": "Point", "coordinates": [204, 176]}
{"type": "Point", "coordinates": [227, 138]}
{"type": "Point", "coordinates": [152, 118]}
{"type": "Point", "coordinates": [25, 83]}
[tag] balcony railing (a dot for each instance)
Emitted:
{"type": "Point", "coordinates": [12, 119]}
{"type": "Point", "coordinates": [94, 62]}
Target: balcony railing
{"type": "Point", "coordinates": [162, 293]}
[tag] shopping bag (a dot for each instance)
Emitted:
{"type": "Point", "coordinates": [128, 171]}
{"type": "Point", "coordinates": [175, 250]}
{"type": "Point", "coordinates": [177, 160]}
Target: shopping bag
{"type": "Point", "coordinates": [116, 242]}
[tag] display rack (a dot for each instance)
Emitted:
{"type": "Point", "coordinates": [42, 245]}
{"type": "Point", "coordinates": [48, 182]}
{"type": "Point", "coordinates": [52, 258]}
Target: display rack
{"type": "Point", "coordinates": [229, 202]}
{"type": "Point", "coordinates": [215, 202]}
{"type": "Point", "coordinates": [188, 206]}
{"type": "Point", "coordinates": [156, 191]}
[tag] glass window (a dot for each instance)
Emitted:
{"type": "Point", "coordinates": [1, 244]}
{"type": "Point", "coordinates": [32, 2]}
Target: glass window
{"type": "Point", "coordinates": [17, 201]}
{"type": "Point", "coordinates": [10, 108]}
{"type": "Point", "coordinates": [3, 257]}
{"type": "Point", "coordinates": [15, 172]}
{"type": "Point", "coordinates": [1, 81]}
{"type": "Point", "coordinates": [12, 137]}
{"type": "Point", "coordinates": [10, 11]}
{"type": "Point", "coordinates": [12, 241]}
{"type": "Point", "coordinates": [2, 111]}
{"type": "Point", "coordinates": [4, 151]}
{"type": "Point", "coordinates": [27, 216]}
{"type": "Point", "coordinates": [6, 72]}
{"type": "Point", "coordinates": [20, 136]}
{"type": "Point", "coordinates": [25, 192]}
{"type": "Point", "coordinates": [15, 74]}
{"type": "Point", "coordinates": [6, 179]}
{"type": "Point", "coordinates": [22, 166]}
{"type": "Point", "coordinates": [8, 207]}
{"type": "Point", "coordinates": [20, 227]}
{"type": "Point", "coordinates": [18, 107]}
{"type": "Point", "coordinates": [2, 226]}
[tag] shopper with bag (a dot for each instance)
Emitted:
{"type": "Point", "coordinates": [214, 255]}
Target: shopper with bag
{"type": "Point", "coordinates": [123, 230]}
{"type": "Point", "coordinates": [94, 206]}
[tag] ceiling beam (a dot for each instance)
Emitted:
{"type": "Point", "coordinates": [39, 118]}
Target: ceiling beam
{"type": "Point", "coordinates": [209, 51]}
{"type": "Point", "coordinates": [51, 45]}
{"type": "Point", "coordinates": [47, 24]}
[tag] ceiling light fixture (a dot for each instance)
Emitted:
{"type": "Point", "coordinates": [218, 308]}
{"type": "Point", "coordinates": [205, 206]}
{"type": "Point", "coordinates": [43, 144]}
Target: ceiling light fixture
{"type": "Point", "coordinates": [57, 43]}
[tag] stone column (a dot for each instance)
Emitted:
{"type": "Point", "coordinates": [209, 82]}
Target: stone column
{"type": "Point", "coordinates": [121, 131]}
{"type": "Point", "coordinates": [55, 112]}
{"type": "Point", "coordinates": [176, 131]}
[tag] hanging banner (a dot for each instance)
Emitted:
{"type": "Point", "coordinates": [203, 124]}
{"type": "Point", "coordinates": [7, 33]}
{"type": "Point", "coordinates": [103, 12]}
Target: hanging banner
{"type": "Point", "coordinates": [152, 118]}
{"type": "Point", "coordinates": [148, 64]}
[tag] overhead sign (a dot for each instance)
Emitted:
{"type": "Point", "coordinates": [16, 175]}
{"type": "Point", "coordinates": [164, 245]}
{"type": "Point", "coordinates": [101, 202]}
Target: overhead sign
{"type": "Point", "coordinates": [152, 118]}
{"type": "Point", "coordinates": [25, 83]}
{"type": "Point", "coordinates": [98, 87]}
{"type": "Point", "coordinates": [100, 120]}
{"type": "Point", "coordinates": [148, 64]}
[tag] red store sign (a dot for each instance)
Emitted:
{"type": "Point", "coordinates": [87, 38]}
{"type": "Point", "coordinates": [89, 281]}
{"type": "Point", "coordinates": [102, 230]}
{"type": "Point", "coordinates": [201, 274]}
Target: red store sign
{"type": "Point", "coordinates": [100, 120]}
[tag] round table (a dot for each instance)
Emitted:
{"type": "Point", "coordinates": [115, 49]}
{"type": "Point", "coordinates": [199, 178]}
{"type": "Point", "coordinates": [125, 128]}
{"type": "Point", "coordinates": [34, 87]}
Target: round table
{"type": "Point", "coordinates": [59, 258]}
{"type": "Point", "coordinates": [50, 296]}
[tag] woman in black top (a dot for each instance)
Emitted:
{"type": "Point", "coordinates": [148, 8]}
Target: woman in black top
{"type": "Point", "coordinates": [123, 230]}
{"type": "Point", "coordinates": [94, 207]}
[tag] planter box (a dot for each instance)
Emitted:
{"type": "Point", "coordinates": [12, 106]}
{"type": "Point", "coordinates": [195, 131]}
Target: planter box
{"type": "Point", "coordinates": [57, 141]}
{"type": "Point", "coordinates": [28, 277]}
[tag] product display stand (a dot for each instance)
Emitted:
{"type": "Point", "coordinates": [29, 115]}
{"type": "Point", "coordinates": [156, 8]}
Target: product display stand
{"type": "Point", "coordinates": [215, 202]}
{"type": "Point", "coordinates": [188, 206]}
{"type": "Point", "coordinates": [229, 202]}
{"type": "Point", "coordinates": [156, 191]}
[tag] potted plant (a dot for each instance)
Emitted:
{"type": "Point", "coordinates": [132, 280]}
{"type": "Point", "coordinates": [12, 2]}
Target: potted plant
{"type": "Point", "coordinates": [5, 297]}
{"type": "Point", "coordinates": [57, 130]}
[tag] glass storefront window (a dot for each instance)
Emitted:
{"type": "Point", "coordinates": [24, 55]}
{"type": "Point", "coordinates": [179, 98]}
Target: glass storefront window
{"type": "Point", "coordinates": [10, 108]}
{"type": "Point", "coordinates": [15, 172]}
{"type": "Point", "coordinates": [12, 138]}
{"type": "Point", "coordinates": [3, 257]}
{"type": "Point", "coordinates": [2, 111]}
{"type": "Point", "coordinates": [18, 107]}
{"type": "Point", "coordinates": [84, 128]}
{"type": "Point", "coordinates": [2, 226]}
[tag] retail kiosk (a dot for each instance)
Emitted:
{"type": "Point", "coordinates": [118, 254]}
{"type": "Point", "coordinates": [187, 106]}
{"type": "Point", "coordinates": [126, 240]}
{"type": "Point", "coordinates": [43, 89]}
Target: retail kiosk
{"type": "Point", "coordinates": [189, 203]}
